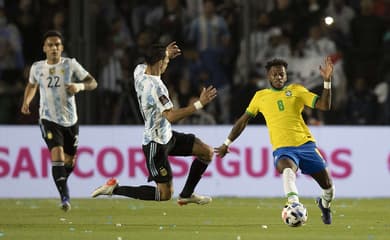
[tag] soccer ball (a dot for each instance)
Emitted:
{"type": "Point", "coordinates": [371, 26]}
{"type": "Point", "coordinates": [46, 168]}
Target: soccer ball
{"type": "Point", "coordinates": [294, 214]}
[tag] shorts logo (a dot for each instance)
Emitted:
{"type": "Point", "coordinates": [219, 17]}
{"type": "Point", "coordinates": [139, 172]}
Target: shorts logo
{"type": "Point", "coordinates": [163, 172]}
{"type": "Point", "coordinates": [49, 135]}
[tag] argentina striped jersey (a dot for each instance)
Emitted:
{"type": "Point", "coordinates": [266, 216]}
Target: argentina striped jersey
{"type": "Point", "coordinates": [56, 104]}
{"type": "Point", "coordinates": [153, 100]}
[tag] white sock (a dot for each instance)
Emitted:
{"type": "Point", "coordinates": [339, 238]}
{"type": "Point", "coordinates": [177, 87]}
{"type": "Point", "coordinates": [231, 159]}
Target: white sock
{"type": "Point", "coordinates": [290, 189]}
{"type": "Point", "coordinates": [327, 196]}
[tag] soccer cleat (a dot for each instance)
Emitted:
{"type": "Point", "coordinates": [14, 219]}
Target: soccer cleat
{"type": "Point", "coordinates": [198, 199]}
{"type": "Point", "coordinates": [326, 213]}
{"type": "Point", "coordinates": [65, 205]}
{"type": "Point", "coordinates": [106, 189]}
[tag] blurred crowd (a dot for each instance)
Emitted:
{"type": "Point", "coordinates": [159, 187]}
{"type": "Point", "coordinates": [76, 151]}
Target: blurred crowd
{"type": "Point", "coordinates": [225, 43]}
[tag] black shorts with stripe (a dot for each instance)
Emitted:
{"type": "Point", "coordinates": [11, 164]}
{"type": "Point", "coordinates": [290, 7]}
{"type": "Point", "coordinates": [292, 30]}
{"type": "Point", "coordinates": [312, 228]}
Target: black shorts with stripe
{"type": "Point", "coordinates": [56, 135]}
{"type": "Point", "coordinates": [157, 155]}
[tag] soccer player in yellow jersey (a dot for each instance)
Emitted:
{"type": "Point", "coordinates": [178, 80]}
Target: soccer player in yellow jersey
{"type": "Point", "coordinates": [293, 145]}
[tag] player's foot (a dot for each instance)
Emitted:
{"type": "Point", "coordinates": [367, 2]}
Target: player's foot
{"type": "Point", "coordinates": [198, 199]}
{"type": "Point", "coordinates": [106, 189]}
{"type": "Point", "coordinates": [65, 205]}
{"type": "Point", "coordinates": [326, 212]}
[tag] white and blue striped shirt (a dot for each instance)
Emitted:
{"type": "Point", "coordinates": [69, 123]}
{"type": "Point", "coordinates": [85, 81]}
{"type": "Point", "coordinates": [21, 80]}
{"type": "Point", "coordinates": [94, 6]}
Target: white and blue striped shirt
{"type": "Point", "coordinates": [56, 104]}
{"type": "Point", "coordinates": [153, 99]}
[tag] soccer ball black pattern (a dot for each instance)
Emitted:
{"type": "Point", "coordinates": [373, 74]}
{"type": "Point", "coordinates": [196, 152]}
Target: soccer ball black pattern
{"type": "Point", "coordinates": [294, 214]}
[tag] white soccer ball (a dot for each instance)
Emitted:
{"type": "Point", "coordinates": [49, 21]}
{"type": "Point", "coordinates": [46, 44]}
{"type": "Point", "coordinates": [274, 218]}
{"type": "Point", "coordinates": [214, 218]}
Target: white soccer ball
{"type": "Point", "coordinates": [294, 214]}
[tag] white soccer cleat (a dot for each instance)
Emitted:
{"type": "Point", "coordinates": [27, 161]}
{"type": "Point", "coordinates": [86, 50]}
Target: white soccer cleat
{"type": "Point", "coordinates": [198, 199]}
{"type": "Point", "coordinates": [106, 189]}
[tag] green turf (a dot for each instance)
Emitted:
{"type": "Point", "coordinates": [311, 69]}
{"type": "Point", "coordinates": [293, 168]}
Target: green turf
{"type": "Point", "coordinates": [224, 218]}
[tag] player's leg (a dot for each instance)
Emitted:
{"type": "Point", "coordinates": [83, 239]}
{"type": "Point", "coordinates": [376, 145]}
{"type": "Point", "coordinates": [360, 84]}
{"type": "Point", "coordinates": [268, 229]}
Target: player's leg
{"type": "Point", "coordinates": [312, 163]}
{"type": "Point", "coordinates": [288, 168]}
{"type": "Point", "coordinates": [188, 144]}
{"type": "Point", "coordinates": [53, 136]}
{"type": "Point", "coordinates": [60, 176]}
{"type": "Point", "coordinates": [328, 193]}
{"type": "Point", "coordinates": [328, 190]}
{"type": "Point", "coordinates": [71, 141]}
{"type": "Point", "coordinates": [162, 192]}
{"type": "Point", "coordinates": [159, 171]}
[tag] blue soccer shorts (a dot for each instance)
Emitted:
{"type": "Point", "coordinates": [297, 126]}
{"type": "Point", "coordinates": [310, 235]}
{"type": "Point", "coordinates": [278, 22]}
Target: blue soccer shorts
{"type": "Point", "coordinates": [306, 157]}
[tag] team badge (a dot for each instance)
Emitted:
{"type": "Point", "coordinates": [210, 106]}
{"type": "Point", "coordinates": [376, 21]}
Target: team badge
{"type": "Point", "coordinates": [163, 172]}
{"type": "Point", "coordinates": [288, 93]}
{"type": "Point", "coordinates": [49, 135]}
{"type": "Point", "coordinates": [52, 70]}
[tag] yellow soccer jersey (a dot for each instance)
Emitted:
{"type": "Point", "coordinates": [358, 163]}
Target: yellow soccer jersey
{"type": "Point", "coordinates": [282, 111]}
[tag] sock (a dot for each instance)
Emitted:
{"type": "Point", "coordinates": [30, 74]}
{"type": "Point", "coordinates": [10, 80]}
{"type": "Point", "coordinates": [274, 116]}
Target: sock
{"type": "Point", "coordinates": [59, 177]}
{"type": "Point", "coordinates": [327, 196]}
{"type": "Point", "coordinates": [140, 192]}
{"type": "Point", "coordinates": [197, 169]}
{"type": "Point", "coordinates": [290, 189]}
{"type": "Point", "coordinates": [69, 169]}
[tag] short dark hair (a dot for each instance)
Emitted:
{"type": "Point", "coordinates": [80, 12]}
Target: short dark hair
{"type": "Point", "coordinates": [52, 33]}
{"type": "Point", "coordinates": [276, 62]}
{"type": "Point", "coordinates": [155, 53]}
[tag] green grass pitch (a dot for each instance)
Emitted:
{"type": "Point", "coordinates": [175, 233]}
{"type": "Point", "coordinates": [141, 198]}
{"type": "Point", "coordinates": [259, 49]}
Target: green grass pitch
{"type": "Point", "coordinates": [225, 218]}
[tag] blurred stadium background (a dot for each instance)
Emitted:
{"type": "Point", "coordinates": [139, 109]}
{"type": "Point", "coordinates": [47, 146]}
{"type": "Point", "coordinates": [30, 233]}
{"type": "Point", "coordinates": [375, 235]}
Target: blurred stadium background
{"type": "Point", "coordinates": [108, 38]}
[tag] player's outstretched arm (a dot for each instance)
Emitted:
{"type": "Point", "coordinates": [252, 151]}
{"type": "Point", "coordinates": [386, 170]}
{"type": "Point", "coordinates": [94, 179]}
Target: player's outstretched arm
{"type": "Point", "coordinates": [236, 131]}
{"type": "Point", "coordinates": [206, 96]}
{"type": "Point", "coordinates": [326, 71]}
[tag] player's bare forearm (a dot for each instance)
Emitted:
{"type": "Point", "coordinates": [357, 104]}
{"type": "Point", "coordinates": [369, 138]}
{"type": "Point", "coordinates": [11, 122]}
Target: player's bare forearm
{"type": "Point", "coordinates": [324, 102]}
{"type": "Point", "coordinates": [90, 83]}
{"type": "Point", "coordinates": [175, 115]}
{"type": "Point", "coordinates": [206, 96]}
{"type": "Point", "coordinates": [236, 131]}
{"type": "Point", "coordinates": [29, 94]}
{"type": "Point", "coordinates": [239, 126]}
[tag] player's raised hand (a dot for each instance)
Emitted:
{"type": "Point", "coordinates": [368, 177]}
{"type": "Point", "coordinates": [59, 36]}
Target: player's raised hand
{"type": "Point", "coordinates": [221, 151]}
{"type": "Point", "coordinates": [207, 95]}
{"type": "Point", "coordinates": [172, 50]}
{"type": "Point", "coordinates": [327, 70]}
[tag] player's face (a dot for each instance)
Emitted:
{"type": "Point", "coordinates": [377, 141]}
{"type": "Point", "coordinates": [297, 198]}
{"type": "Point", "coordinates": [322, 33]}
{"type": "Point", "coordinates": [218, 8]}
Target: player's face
{"type": "Point", "coordinates": [277, 76]}
{"type": "Point", "coordinates": [53, 48]}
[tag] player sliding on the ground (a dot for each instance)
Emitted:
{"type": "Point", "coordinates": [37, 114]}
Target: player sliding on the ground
{"type": "Point", "coordinates": [159, 140]}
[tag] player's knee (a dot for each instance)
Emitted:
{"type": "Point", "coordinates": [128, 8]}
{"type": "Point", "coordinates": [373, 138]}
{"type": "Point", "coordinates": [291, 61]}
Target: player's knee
{"type": "Point", "coordinates": [207, 155]}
